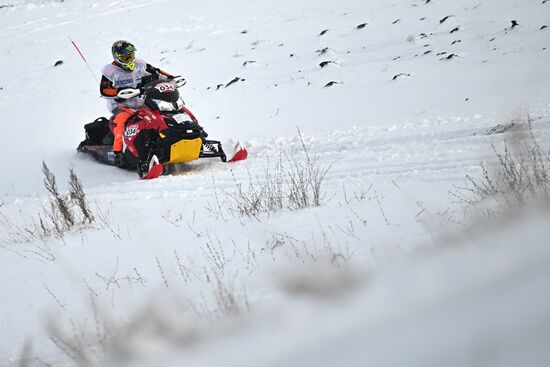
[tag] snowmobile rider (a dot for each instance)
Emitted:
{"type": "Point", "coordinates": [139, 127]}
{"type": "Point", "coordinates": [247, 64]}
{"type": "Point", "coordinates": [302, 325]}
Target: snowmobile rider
{"type": "Point", "coordinates": [120, 85]}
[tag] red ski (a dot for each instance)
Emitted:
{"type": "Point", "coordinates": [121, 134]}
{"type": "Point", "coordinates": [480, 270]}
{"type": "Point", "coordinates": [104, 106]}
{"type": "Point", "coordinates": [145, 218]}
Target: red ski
{"type": "Point", "coordinates": [239, 153]}
{"type": "Point", "coordinates": [155, 169]}
{"type": "Point", "coordinates": [154, 172]}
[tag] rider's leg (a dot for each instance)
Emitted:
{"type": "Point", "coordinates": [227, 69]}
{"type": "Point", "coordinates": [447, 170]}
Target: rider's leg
{"type": "Point", "coordinates": [120, 116]}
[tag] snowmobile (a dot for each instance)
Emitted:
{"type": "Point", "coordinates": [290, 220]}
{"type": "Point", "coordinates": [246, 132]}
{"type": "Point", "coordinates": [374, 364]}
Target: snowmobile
{"type": "Point", "coordinates": [158, 137]}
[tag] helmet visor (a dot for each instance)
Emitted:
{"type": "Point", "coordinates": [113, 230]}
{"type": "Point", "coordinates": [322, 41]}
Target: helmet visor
{"type": "Point", "coordinates": [126, 57]}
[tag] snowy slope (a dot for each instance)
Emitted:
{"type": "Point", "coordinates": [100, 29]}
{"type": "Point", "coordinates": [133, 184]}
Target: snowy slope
{"type": "Point", "coordinates": [401, 127]}
{"type": "Point", "coordinates": [209, 48]}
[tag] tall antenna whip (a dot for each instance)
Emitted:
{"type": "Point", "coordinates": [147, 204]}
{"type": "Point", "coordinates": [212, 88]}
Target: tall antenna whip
{"type": "Point", "coordinates": [83, 58]}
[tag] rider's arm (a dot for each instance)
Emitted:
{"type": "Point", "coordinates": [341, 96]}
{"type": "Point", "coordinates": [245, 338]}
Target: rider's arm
{"type": "Point", "coordinates": [153, 70]}
{"type": "Point", "coordinates": [178, 80]}
{"type": "Point", "coordinates": [107, 89]}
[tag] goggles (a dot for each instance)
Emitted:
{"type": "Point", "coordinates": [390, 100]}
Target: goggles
{"type": "Point", "coordinates": [126, 57]}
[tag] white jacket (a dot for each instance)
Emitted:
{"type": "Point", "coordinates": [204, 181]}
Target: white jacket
{"type": "Point", "coordinates": [121, 78]}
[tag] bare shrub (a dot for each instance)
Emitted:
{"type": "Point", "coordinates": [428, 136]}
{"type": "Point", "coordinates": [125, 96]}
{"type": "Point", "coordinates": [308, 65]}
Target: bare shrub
{"type": "Point", "coordinates": [104, 218]}
{"type": "Point", "coordinates": [290, 183]}
{"type": "Point", "coordinates": [62, 213]}
{"type": "Point", "coordinates": [315, 267]}
{"type": "Point", "coordinates": [215, 208]}
{"type": "Point", "coordinates": [13, 232]}
{"type": "Point", "coordinates": [322, 279]}
{"type": "Point", "coordinates": [78, 196]}
{"type": "Point", "coordinates": [157, 325]}
{"type": "Point", "coordinates": [521, 175]}
{"type": "Point", "coordinates": [229, 301]}
{"type": "Point", "coordinates": [264, 195]}
{"type": "Point", "coordinates": [305, 180]}
{"type": "Point", "coordinates": [225, 300]}
{"type": "Point", "coordinates": [60, 207]}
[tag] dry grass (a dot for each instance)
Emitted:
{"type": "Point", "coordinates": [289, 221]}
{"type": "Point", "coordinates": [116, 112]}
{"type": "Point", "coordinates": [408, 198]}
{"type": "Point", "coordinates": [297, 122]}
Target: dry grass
{"type": "Point", "coordinates": [305, 180]}
{"type": "Point", "coordinates": [315, 267]}
{"type": "Point", "coordinates": [521, 175]}
{"type": "Point", "coordinates": [166, 321]}
{"type": "Point", "coordinates": [158, 324]}
{"type": "Point", "coordinates": [63, 213]}
{"type": "Point", "coordinates": [287, 183]}
{"type": "Point", "coordinates": [259, 195]}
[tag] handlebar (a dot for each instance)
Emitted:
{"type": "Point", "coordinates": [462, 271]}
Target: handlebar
{"type": "Point", "coordinates": [149, 81]}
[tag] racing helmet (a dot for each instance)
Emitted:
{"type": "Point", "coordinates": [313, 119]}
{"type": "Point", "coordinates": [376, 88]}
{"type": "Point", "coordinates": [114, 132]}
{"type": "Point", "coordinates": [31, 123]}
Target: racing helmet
{"type": "Point", "coordinates": [124, 54]}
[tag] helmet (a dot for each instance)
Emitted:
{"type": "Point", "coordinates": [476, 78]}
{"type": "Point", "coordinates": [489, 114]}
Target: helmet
{"type": "Point", "coordinates": [124, 54]}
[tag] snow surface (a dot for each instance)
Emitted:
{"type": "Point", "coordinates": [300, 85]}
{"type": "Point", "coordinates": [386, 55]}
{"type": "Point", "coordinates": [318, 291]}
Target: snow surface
{"type": "Point", "coordinates": [414, 292]}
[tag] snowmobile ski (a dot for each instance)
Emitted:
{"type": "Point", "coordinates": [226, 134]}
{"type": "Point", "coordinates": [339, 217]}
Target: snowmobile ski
{"type": "Point", "coordinates": [155, 169]}
{"type": "Point", "coordinates": [239, 153]}
{"type": "Point", "coordinates": [154, 172]}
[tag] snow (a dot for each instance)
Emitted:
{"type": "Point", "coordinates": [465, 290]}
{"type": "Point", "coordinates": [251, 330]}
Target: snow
{"type": "Point", "coordinates": [419, 284]}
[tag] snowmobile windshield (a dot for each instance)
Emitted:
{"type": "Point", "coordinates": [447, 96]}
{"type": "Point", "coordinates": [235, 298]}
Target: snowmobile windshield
{"type": "Point", "coordinates": [169, 106]}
